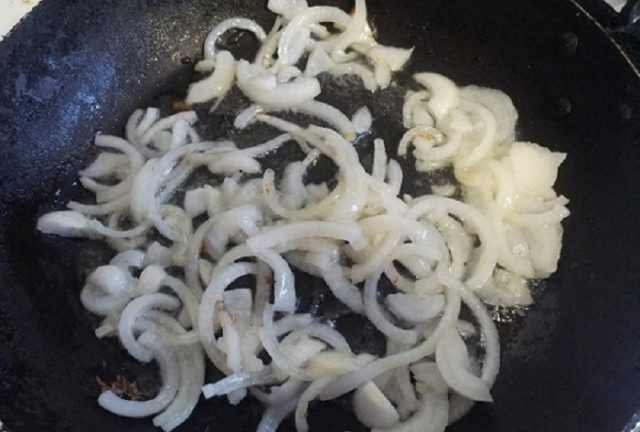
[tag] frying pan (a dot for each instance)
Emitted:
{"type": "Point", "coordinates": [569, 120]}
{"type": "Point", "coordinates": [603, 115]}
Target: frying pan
{"type": "Point", "coordinates": [571, 363]}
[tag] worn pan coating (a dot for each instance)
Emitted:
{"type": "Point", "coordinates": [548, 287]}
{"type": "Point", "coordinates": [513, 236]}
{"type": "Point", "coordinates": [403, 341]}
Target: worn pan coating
{"type": "Point", "coordinates": [74, 68]}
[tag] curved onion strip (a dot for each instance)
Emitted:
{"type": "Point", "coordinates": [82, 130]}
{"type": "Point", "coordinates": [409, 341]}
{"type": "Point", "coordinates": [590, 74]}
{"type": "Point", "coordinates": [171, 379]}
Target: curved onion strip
{"type": "Point", "coordinates": [193, 253]}
{"type": "Point", "coordinates": [491, 362]}
{"type": "Point", "coordinates": [376, 316]}
{"type": "Point", "coordinates": [298, 230]}
{"type": "Point", "coordinates": [218, 84]}
{"type": "Point", "coordinates": [226, 25]}
{"type": "Point", "coordinates": [127, 325]}
{"type": "Point", "coordinates": [264, 56]}
{"type": "Point", "coordinates": [344, 290]}
{"type": "Point", "coordinates": [109, 141]}
{"type": "Point", "coordinates": [453, 362]}
{"type": "Point", "coordinates": [115, 205]}
{"type": "Point", "coordinates": [489, 250]}
{"type": "Point", "coordinates": [274, 415]}
{"type": "Point", "coordinates": [430, 417]}
{"type": "Point", "coordinates": [488, 139]}
{"type": "Point", "coordinates": [271, 345]}
{"type": "Point", "coordinates": [170, 380]}
{"type": "Point", "coordinates": [270, 194]}
{"type": "Point", "coordinates": [191, 362]}
{"type": "Point", "coordinates": [412, 100]}
{"type": "Point", "coordinates": [355, 379]}
{"type": "Point", "coordinates": [326, 334]}
{"type": "Point", "coordinates": [331, 115]}
{"type": "Point", "coordinates": [221, 278]}
{"type": "Point", "coordinates": [304, 20]}
{"type": "Point", "coordinates": [311, 392]}
{"type": "Point", "coordinates": [428, 133]}
{"type": "Point", "coordinates": [279, 394]}
{"type": "Point", "coordinates": [355, 32]}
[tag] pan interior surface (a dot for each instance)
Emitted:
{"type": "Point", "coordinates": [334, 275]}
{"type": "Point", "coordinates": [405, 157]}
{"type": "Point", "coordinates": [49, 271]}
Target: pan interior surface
{"type": "Point", "coordinates": [572, 362]}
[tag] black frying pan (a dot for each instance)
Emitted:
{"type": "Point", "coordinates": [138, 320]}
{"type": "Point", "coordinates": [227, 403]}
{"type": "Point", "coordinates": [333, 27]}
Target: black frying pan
{"type": "Point", "coordinates": [73, 68]}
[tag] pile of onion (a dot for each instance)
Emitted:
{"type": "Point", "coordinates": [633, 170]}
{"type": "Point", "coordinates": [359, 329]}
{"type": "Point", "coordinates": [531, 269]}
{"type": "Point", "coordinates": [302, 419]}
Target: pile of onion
{"type": "Point", "coordinates": [172, 294]}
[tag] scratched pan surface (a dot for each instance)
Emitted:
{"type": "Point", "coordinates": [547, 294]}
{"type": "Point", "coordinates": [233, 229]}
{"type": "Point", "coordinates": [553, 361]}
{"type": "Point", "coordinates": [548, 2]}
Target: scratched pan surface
{"type": "Point", "coordinates": [74, 68]}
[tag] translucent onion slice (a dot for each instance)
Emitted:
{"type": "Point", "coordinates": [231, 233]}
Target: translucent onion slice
{"type": "Point", "coordinates": [454, 365]}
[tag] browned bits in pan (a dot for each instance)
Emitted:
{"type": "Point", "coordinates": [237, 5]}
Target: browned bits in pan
{"type": "Point", "coordinates": [123, 387]}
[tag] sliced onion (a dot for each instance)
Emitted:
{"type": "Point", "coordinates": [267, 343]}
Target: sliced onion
{"type": "Point", "coordinates": [355, 32]}
{"type": "Point", "coordinates": [65, 223]}
{"type": "Point", "coordinates": [318, 62]}
{"type": "Point", "coordinates": [304, 20]}
{"type": "Point", "coordinates": [372, 407]}
{"type": "Point", "coordinates": [379, 160]}
{"type": "Point", "coordinates": [170, 380]}
{"type": "Point", "coordinates": [344, 290]}
{"type": "Point", "coordinates": [362, 120]}
{"type": "Point", "coordinates": [271, 345]}
{"type": "Point", "coordinates": [415, 308]}
{"type": "Point", "coordinates": [226, 25]}
{"type": "Point", "coordinates": [454, 364]}
{"type": "Point", "coordinates": [444, 93]}
{"type": "Point", "coordinates": [376, 316]}
{"type": "Point", "coordinates": [128, 326]}
{"type": "Point", "coordinates": [352, 68]}
{"type": "Point", "coordinates": [396, 58]}
{"type": "Point", "coordinates": [298, 230]}
{"type": "Point", "coordinates": [438, 252]}
{"type": "Point", "coordinates": [354, 379]}
{"type": "Point", "coordinates": [237, 381]}
{"type": "Point", "coordinates": [331, 115]}
{"type": "Point", "coordinates": [274, 415]}
{"type": "Point", "coordinates": [217, 84]}
{"type": "Point", "coordinates": [425, 132]}
{"type": "Point", "coordinates": [312, 391]}
{"type": "Point", "coordinates": [263, 88]}
{"type": "Point", "coordinates": [191, 363]}
{"type": "Point", "coordinates": [488, 254]}
{"type": "Point", "coordinates": [430, 417]}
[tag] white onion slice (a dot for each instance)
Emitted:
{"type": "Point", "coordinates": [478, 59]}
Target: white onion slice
{"type": "Point", "coordinates": [331, 115]}
{"type": "Point", "coordinates": [372, 407]}
{"type": "Point", "coordinates": [362, 120]}
{"type": "Point", "coordinates": [342, 288]}
{"type": "Point", "coordinates": [191, 363]}
{"type": "Point", "coordinates": [127, 326]}
{"type": "Point", "coordinates": [339, 231]}
{"type": "Point", "coordinates": [226, 25]}
{"type": "Point", "coordinates": [217, 84]}
{"type": "Point", "coordinates": [415, 308]}
{"type": "Point", "coordinates": [262, 87]}
{"type": "Point", "coordinates": [318, 62]}
{"type": "Point", "coordinates": [170, 380]}
{"type": "Point", "coordinates": [304, 20]}
{"type": "Point", "coordinates": [454, 364]}
{"type": "Point", "coordinates": [311, 392]}
{"type": "Point", "coordinates": [65, 224]}
{"type": "Point", "coordinates": [274, 415]}
{"type": "Point", "coordinates": [237, 381]}
{"type": "Point", "coordinates": [431, 417]}
{"type": "Point", "coordinates": [394, 57]}
{"type": "Point", "coordinates": [375, 368]}
{"type": "Point", "coordinates": [376, 316]}
{"type": "Point", "coordinates": [444, 93]}
{"type": "Point", "coordinates": [271, 345]}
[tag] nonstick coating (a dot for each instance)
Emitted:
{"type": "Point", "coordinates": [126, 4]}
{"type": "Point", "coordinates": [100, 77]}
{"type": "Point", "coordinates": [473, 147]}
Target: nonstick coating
{"type": "Point", "coordinates": [572, 363]}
